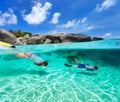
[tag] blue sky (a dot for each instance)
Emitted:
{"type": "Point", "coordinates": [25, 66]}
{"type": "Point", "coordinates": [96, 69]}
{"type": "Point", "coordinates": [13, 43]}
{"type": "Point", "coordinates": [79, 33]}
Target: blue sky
{"type": "Point", "coordinates": [94, 18]}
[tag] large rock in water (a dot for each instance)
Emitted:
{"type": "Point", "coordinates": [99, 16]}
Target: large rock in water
{"type": "Point", "coordinates": [58, 38]}
{"type": "Point", "coordinates": [52, 38]}
{"type": "Point", "coordinates": [22, 40]}
{"type": "Point", "coordinates": [97, 38]}
{"type": "Point", "coordinates": [75, 37]}
{"type": "Point", "coordinates": [35, 39]}
{"type": "Point", "coordinates": [7, 36]}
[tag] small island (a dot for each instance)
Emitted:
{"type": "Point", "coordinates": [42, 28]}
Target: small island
{"type": "Point", "coordinates": [19, 37]}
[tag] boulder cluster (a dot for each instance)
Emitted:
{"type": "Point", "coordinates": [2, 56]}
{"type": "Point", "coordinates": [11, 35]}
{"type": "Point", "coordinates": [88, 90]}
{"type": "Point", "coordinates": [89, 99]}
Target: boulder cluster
{"type": "Point", "coordinates": [45, 38]}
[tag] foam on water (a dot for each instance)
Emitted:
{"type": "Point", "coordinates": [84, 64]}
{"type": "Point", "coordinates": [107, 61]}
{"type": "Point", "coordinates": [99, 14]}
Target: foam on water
{"type": "Point", "coordinates": [22, 81]}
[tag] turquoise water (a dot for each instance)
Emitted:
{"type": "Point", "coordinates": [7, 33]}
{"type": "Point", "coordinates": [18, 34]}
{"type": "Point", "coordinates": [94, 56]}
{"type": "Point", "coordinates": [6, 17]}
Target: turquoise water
{"type": "Point", "coordinates": [22, 81]}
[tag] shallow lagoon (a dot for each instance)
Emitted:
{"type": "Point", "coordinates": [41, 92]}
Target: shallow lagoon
{"type": "Point", "coordinates": [22, 81]}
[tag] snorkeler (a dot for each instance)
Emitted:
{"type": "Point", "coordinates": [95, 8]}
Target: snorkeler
{"type": "Point", "coordinates": [35, 58]}
{"type": "Point", "coordinates": [82, 66]}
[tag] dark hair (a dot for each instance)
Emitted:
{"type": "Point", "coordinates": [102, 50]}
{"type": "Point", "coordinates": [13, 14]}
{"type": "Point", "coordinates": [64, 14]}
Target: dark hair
{"type": "Point", "coordinates": [45, 63]}
{"type": "Point", "coordinates": [96, 67]}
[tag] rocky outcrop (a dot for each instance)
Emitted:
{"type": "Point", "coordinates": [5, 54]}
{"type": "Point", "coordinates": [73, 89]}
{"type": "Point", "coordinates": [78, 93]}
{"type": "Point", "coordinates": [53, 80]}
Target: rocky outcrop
{"type": "Point", "coordinates": [22, 40]}
{"type": "Point", "coordinates": [52, 39]}
{"type": "Point", "coordinates": [75, 37]}
{"type": "Point", "coordinates": [59, 38]}
{"type": "Point", "coordinates": [97, 38]}
{"type": "Point", "coordinates": [35, 40]}
{"type": "Point", "coordinates": [7, 36]}
{"type": "Point", "coordinates": [45, 39]}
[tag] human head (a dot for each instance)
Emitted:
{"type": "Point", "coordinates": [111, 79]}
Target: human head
{"type": "Point", "coordinates": [45, 63]}
{"type": "Point", "coordinates": [95, 67]}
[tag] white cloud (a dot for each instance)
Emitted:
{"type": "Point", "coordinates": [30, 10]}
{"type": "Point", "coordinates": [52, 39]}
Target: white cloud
{"type": "Point", "coordinates": [55, 32]}
{"type": "Point", "coordinates": [7, 18]}
{"type": "Point", "coordinates": [74, 23]}
{"type": "Point", "coordinates": [105, 5]}
{"type": "Point", "coordinates": [55, 18]}
{"type": "Point", "coordinates": [107, 35]}
{"type": "Point", "coordinates": [76, 26]}
{"type": "Point", "coordinates": [90, 27]}
{"type": "Point", "coordinates": [68, 24]}
{"type": "Point", "coordinates": [38, 13]}
{"type": "Point", "coordinates": [84, 20]}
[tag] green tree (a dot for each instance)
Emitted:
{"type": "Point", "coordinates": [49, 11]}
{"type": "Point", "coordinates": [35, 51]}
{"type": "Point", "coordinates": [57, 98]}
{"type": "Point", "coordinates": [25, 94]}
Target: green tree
{"type": "Point", "coordinates": [19, 33]}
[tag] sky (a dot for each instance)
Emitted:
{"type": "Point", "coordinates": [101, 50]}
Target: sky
{"type": "Point", "coordinates": [92, 17]}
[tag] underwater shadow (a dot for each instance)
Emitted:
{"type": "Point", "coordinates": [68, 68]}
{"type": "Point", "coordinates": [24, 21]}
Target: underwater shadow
{"type": "Point", "coordinates": [14, 72]}
{"type": "Point", "coordinates": [41, 73]}
{"type": "Point", "coordinates": [87, 73]}
{"type": "Point", "coordinates": [84, 73]}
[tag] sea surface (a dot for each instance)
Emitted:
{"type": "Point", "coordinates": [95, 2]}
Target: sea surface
{"type": "Point", "coordinates": [22, 81]}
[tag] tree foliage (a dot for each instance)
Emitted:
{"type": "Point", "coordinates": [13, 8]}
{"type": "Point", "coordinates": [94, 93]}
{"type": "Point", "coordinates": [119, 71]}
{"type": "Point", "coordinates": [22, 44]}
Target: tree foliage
{"type": "Point", "coordinates": [19, 33]}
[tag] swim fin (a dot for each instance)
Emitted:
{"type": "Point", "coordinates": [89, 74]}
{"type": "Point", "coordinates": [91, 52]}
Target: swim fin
{"type": "Point", "coordinates": [68, 65]}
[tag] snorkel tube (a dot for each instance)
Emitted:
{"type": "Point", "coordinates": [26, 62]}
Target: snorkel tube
{"type": "Point", "coordinates": [6, 44]}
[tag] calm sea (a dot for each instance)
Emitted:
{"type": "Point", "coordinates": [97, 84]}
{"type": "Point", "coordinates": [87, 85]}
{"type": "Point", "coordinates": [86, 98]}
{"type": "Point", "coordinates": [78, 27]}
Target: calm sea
{"type": "Point", "coordinates": [22, 81]}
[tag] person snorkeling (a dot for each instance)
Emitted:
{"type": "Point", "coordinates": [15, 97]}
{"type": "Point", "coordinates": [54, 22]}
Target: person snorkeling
{"type": "Point", "coordinates": [35, 58]}
{"type": "Point", "coordinates": [82, 66]}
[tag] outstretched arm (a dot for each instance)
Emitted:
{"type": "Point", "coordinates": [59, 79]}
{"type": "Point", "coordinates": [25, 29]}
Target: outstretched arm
{"type": "Point", "coordinates": [21, 55]}
{"type": "Point", "coordinates": [69, 65]}
{"type": "Point", "coordinates": [76, 60]}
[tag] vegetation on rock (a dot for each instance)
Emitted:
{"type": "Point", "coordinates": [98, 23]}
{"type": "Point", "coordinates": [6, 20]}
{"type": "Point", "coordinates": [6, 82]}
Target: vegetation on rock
{"type": "Point", "coordinates": [19, 33]}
